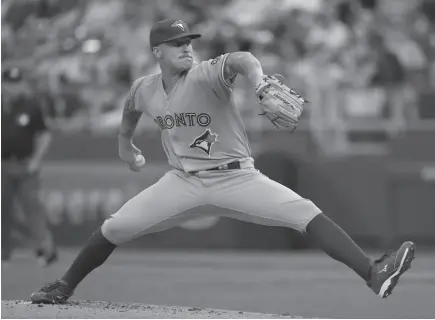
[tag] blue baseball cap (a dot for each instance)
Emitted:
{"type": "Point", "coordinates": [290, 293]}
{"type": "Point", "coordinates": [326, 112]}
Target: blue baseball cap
{"type": "Point", "coordinates": [168, 30]}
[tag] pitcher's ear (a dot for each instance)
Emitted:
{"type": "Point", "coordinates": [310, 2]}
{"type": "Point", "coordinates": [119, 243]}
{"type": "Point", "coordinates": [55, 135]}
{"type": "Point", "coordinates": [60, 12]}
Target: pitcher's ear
{"type": "Point", "coordinates": [157, 52]}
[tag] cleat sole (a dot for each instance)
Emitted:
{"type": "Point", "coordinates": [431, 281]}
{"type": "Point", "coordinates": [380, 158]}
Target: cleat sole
{"type": "Point", "coordinates": [391, 282]}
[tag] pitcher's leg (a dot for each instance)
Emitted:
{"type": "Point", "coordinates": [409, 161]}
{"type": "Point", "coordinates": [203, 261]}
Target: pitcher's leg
{"type": "Point", "coordinates": [271, 203]}
{"type": "Point", "coordinates": [381, 275]}
{"type": "Point", "coordinates": [153, 208]}
{"type": "Point", "coordinates": [153, 205]}
{"type": "Point", "coordinates": [96, 250]}
{"type": "Point", "coordinates": [166, 198]}
{"type": "Point", "coordinates": [263, 201]}
{"type": "Point", "coordinates": [335, 242]}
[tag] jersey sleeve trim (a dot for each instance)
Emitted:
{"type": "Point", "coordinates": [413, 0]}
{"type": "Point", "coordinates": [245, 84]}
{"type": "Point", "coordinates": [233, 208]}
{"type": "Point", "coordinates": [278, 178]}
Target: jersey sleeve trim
{"type": "Point", "coordinates": [132, 94]}
{"type": "Point", "coordinates": [222, 72]}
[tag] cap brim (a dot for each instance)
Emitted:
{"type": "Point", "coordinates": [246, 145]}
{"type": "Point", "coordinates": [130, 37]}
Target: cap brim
{"type": "Point", "coordinates": [183, 35]}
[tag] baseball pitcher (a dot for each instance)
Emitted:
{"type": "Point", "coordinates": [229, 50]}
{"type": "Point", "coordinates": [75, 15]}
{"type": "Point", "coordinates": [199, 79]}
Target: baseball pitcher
{"type": "Point", "coordinates": [206, 144]}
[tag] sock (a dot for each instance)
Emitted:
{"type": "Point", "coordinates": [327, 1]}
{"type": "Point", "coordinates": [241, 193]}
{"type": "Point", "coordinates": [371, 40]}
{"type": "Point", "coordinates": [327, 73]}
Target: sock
{"type": "Point", "coordinates": [92, 255]}
{"type": "Point", "coordinates": [335, 242]}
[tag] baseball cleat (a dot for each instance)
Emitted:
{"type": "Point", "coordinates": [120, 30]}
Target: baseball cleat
{"type": "Point", "coordinates": [386, 271]}
{"type": "Point", "coordinates": [56, 292]}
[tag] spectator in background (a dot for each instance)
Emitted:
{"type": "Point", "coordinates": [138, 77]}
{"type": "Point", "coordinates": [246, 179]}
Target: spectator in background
{"type": "Point", "coordinates": [389, 74]}
{"type": "Point", "coordinates": [328, 36]}
{"type": "Point", "coordinates": [368, 4]}
{"type": "Point", "coordinates": [68, 111]}
{"type": "Point", "coordinates": [346, 14]}
{"type": "Point", "coordinates": [428, 8]}
{"type": "Point", "coordinates": [389, 71]}
{"type": "Point", "coordinates": [25, 141]}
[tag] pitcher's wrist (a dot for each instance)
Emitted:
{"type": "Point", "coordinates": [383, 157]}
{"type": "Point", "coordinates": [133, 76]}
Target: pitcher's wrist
{"type": "Point", "coordinates": [125, 136]}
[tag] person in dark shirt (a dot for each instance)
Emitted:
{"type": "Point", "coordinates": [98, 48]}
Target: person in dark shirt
{"type": "Point", "coordinates": [389, 77]}
{"type": "Point", "coordinates": [25, 140]}
{"type": "Point", "coordinates": [389, 70]}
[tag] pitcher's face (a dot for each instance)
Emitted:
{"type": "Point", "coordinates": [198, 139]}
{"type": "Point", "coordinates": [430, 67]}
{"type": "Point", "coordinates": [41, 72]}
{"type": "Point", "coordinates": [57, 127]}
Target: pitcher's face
{"type": "Point", "coordinates": [176, 54]}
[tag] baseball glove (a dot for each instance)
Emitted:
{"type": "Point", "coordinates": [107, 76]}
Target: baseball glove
{"type": "Point", "coordinates": [280, 104]}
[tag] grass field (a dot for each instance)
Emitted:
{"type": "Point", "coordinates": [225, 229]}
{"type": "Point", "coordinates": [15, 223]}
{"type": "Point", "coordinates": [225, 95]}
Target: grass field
{"type": "Point", "coordinates": [300, 284]}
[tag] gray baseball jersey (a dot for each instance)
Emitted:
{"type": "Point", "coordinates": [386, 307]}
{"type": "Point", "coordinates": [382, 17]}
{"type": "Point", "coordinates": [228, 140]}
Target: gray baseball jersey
{"type": "Point", "coordinates": [201, 128]}
{"type": "Point", "coordinates": [200, 124]}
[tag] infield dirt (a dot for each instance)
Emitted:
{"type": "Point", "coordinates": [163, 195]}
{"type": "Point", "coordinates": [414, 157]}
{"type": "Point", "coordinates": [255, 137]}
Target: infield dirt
{"type": "Point", "coordinates": [19, 309]}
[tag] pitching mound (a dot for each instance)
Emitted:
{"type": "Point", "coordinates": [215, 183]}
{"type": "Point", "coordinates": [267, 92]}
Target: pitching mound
{"type": "Point", "coordinates": [107, 310]}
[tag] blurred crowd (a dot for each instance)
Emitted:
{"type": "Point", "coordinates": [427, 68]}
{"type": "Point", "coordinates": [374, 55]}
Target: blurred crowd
{"type": "Point", "coordinates": [79, 57]}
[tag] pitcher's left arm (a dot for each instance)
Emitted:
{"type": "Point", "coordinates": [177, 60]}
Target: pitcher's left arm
{"type": "Point", "coordinates": [244, 63]}
{"type": "Point", "coordinates": [280, 104]}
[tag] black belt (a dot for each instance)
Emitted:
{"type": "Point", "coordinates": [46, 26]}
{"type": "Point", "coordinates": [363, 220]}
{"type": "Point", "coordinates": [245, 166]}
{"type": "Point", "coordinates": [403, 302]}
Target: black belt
{"type": "Point", "coordinates": [229, 166]}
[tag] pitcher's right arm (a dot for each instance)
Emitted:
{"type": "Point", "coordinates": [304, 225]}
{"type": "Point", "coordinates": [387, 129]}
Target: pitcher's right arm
{"type": "Point", "coordinates": [130, 118]}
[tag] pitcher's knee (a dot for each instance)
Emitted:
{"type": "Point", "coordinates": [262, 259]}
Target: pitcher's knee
{"type": "Point", "coordinates": [114, 232]}
{"type": "Point", "coordinates": [306, 211]}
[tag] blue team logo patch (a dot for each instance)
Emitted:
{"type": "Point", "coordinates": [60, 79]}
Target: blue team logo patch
{"type": "Point", "coordinates": [178, 24]}
{"type": "Point", "coordinates": [205, 141]}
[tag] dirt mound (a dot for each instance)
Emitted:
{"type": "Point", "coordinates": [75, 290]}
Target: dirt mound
{"type": "Point", "coordinates": [108, 310]}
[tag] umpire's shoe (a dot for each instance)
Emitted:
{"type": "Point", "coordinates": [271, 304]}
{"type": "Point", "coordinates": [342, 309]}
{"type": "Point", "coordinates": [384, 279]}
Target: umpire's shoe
{"type": "Point", "coordinates": [386, 271]}
{"type": "Point", "coordinates": [44, 260]}
{"type": "Point", "coordinates": [56, 292]}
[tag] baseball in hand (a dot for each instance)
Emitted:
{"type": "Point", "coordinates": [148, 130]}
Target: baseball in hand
{"type": "Point", "coordinates": [139, 161]}
{"type": "Point", "coordinates": [138, 164]}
